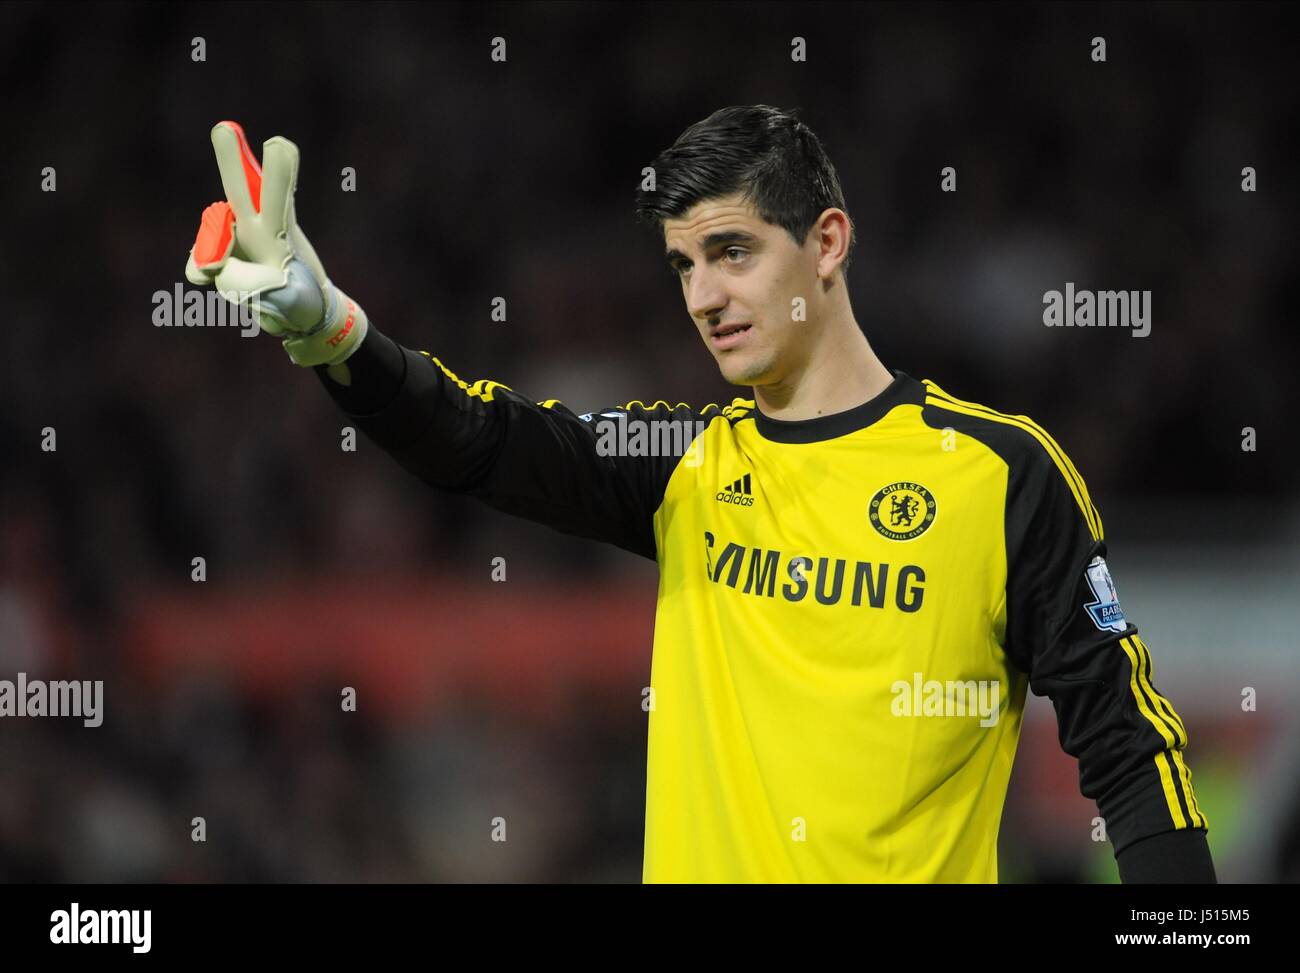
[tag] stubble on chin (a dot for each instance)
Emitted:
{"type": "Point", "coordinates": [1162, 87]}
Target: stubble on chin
{"type": "Point", "coordinates": [747, 373]}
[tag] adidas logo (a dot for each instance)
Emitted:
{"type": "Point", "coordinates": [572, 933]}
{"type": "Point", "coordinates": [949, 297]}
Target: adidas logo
{"type": "Point", "coordinates": [738, 493]}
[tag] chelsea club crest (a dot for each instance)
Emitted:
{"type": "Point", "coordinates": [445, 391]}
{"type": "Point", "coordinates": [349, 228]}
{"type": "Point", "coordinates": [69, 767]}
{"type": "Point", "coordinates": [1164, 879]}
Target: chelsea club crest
{"type": "Point", "coordinates": [902, 511]}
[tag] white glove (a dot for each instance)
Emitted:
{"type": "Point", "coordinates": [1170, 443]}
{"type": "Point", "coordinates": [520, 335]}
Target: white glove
{"type": "Point", "coordinates": [252, 248]}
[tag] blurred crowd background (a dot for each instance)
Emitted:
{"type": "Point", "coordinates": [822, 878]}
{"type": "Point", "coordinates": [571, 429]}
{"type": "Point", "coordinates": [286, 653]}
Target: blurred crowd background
{"type": "Point", "coordinates": [477, 179]}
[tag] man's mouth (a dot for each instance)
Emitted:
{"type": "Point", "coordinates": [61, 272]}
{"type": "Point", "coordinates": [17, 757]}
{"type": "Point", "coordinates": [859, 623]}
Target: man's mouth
{"type": "Point", "coordinates": [728, 335]}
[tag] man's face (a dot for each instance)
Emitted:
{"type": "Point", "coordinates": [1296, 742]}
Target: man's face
{"type": "Point", "coordinates": [735, 269]}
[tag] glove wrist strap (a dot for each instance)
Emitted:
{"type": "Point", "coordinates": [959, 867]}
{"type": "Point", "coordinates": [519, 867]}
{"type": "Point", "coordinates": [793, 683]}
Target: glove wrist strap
{"type": "Point", "coordinates": [341, 332]}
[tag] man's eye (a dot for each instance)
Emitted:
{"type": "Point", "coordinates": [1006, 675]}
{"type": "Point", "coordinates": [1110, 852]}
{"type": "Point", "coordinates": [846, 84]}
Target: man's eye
{"type": "Point", "coordinates": [678, 269]}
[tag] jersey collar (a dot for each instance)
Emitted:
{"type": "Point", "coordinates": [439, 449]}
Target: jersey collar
{"type": "Point", "coordinates": [902, 390]}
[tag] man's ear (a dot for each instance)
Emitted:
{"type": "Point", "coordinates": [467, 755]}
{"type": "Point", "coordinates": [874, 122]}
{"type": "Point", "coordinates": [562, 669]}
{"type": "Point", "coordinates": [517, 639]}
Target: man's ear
{"type": "Point", "coordinates": [833, 233]}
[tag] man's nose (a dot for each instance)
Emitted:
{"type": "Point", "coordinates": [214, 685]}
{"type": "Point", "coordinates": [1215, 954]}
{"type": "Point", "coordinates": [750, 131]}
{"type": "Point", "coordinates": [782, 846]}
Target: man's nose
{"type": "Point", "coordinates": [705, 296]}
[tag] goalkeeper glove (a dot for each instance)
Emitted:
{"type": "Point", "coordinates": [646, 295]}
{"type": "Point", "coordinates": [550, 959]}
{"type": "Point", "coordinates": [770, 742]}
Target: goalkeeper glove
{"type": "Point", "coordinates": [252, 248]}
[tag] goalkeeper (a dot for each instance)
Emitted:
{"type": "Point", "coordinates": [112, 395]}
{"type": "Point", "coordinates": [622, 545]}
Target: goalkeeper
{"type": "Point", "coordinates": [861, 575]}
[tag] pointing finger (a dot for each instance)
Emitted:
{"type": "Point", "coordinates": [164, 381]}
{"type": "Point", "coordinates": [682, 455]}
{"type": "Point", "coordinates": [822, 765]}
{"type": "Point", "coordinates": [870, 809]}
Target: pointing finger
{"type": "Point", "coordinates": [241, 176]}
{"type": "Point", "coordinates": [278, 181]}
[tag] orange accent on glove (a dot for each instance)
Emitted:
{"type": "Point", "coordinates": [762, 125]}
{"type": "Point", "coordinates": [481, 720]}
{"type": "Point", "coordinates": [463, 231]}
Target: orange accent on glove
{"type": "Point", "coordinates": [215, 236]}
{"type": "Point", "coordinates": [252, 168]}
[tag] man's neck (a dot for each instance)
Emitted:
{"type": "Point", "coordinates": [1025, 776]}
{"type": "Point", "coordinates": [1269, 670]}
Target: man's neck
{"type": "Point", "coordinates": [842, 374]}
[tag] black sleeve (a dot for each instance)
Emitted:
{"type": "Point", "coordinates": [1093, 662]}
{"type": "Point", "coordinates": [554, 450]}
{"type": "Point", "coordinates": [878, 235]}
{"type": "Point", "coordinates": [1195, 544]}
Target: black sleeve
{"type": "Point", "coordinates": [600, 475]}
{"type": "Point", "coordinates": [1066, 629]}
{"type": "Point", "coordinates": [1171, 858]}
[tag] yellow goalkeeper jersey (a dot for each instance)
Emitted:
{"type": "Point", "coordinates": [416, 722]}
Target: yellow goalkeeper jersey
{"type": "Point", "coordinates": [850, 611]}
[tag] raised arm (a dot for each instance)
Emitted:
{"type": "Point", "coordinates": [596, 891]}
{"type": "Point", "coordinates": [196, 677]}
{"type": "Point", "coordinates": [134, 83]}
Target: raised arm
{"type": "Point", "coordinates": [535, 460]}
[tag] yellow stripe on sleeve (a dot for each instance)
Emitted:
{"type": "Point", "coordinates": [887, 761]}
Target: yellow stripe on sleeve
{"type": "Point", "coordinates": [1071, 476]}
{"type": "Point", "coordinates": [1174, 741]}
{"type": "Point", "coordinates": [482, 389]}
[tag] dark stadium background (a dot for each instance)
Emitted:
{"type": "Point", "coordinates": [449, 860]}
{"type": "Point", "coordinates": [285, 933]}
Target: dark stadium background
{"type": "Point", "coordinates": [478, 179]}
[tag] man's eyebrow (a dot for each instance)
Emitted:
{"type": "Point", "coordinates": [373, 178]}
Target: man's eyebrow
{"type": "Point", "coordinates": [714, 240]}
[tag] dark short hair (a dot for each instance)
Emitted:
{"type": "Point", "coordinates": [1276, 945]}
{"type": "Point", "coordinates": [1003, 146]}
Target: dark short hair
{"type": "Point", "coordinates": [768, 155]}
